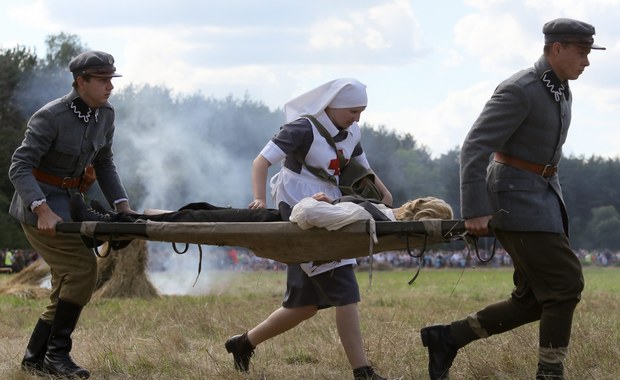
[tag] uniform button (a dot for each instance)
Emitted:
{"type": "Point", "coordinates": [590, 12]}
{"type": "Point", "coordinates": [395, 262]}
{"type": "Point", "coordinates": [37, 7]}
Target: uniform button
{"type": "Point", "coordinates": [511, 186]}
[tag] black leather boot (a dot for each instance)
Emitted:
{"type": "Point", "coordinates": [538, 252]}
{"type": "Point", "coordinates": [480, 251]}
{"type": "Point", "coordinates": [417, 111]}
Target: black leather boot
{"type": "Point", "coordinates": [114, 216]}
{"type": "Point", "coordinates": [550, 371]}
{"type": "Point", "coordinates": [366, 373]}
{"type": "Point", "coordinates": [57, 360]}
{"type": "Point", "coordinates": [441, 350]}
{"type": "Point", "coordinates": [37, 346]}
{"type": "Point", "coordinates": [80, 212]}
{"type": "Point", "coordinates": [242, 350]}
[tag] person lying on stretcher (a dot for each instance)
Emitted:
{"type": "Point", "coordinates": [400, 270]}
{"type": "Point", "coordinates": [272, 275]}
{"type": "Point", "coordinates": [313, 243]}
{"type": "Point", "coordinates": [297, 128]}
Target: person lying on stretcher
{"type": "Point", "coordinates": [416, 209]}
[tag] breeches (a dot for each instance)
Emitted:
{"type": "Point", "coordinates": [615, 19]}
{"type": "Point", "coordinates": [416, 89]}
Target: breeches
{"type": "Point", "coordinates": [73, 267]}
{"type": "Point", "coordinates": [548, 282]}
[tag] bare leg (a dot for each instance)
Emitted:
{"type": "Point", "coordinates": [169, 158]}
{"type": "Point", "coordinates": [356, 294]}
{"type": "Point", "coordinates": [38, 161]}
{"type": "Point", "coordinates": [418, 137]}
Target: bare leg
{"type": "Point", "coordinates": [281, 320]}
{"type": "Point", "coordinates": [348, 324]}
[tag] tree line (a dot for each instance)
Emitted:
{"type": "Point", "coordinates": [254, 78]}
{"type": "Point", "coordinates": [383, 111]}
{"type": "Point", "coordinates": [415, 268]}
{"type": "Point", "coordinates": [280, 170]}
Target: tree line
{"type": "Point", "coordinates": [174, 149]}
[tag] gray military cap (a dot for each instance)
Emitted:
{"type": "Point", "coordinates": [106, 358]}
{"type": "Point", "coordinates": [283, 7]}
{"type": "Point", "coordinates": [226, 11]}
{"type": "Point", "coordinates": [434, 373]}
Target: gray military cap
{"type": "Point", "coordinates": [570, 31]}
{"type": "Point", "coordinates": [95, 63]}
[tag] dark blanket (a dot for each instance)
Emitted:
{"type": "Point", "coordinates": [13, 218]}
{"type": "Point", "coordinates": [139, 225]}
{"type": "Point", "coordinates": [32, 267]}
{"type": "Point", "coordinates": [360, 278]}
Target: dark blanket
{"type": "Point", "coordinates": [206, 212]}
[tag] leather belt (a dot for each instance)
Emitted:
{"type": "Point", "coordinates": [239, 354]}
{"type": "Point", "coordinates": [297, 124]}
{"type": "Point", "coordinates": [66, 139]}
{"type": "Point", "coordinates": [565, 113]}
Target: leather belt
{"type": "Point", "coordinates": [543, 170]}
{"type": "Point", "coordinates": [58, 181]}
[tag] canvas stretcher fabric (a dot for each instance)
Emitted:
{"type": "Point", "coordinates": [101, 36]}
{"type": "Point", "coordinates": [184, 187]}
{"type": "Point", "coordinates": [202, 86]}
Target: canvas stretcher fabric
{"type": "Point", "coordinates": [283, 241]}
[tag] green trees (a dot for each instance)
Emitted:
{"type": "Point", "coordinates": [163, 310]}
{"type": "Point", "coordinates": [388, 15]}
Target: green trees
{"type": "Point", "coordinates": [603, 228]}
{"type": "Point", "coordinates": [590, 186]}
{"type": "Point", "coordinates": [26, 83]}
{"type": "Point", "coordinates": [15, 65]}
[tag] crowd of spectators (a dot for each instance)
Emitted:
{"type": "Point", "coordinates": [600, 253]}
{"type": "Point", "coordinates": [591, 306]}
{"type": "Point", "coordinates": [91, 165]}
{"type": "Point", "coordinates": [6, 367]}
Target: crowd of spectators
{"type": "Point", "coordinates": [15, 260]}
{"type": "Point", "coordinates": [241, 259]}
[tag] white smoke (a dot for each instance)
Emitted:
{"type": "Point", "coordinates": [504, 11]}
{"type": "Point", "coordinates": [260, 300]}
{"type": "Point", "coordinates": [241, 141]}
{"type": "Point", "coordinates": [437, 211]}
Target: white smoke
{"type": "Point", "coordinates": [178, 274]}
{"type": "Point", "coordinates": [173, 152]}
{"type": "Point", "coordinates": [178, 155]}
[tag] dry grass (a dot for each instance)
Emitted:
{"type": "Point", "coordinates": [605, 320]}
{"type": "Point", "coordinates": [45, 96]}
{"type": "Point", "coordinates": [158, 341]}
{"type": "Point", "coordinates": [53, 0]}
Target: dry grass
{"type": "Point", "coordinates": [181, 337]}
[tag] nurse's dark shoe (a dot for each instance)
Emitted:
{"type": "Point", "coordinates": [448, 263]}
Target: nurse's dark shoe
{"type": "Point", "coordinates": [366, 373]}
{"type": "Point", "coordinates": [241, 349]}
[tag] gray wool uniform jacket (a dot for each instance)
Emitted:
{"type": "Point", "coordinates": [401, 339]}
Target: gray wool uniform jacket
{"type": "Point", "coordinates": [523, 119]}
{"type": "Point", "coordinates": [59, 143]}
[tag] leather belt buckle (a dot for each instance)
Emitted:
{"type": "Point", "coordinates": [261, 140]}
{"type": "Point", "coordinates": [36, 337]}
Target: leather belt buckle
{"type": "Point", "coordinates": [548, 171]}
{"type": "Point", "coordinates": [66, 183]}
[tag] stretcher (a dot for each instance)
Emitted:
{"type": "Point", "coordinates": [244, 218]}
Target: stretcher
{"type": "Point", "coordinates": [285, 242]}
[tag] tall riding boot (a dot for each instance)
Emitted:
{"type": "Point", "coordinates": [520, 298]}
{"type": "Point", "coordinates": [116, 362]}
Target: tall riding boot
{"type": "Point", "coordinates": [57, 359]}
{"type": "Point", "coordinates": [37, 346]}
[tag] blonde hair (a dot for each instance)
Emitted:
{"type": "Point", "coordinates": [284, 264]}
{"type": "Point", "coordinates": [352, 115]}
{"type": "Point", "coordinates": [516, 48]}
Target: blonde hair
{"type": "Point", "coordinates": [425, 208]}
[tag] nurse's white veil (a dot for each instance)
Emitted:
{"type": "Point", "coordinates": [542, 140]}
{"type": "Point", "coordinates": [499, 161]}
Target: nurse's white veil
{"type": "Point", "coordinates": [339, 93]}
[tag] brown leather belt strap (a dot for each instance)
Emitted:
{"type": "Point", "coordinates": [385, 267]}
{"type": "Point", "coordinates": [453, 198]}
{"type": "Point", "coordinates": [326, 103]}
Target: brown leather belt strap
{"type": "Point", "coordinates": [543, 170]}
{"type": "Point", "coordinates": [54, 180]}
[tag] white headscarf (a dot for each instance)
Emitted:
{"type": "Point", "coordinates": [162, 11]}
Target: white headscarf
{"type": "Point", "coordinates": [339, 93]}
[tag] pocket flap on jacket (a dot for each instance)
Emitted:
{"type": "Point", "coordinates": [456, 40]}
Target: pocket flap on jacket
{"type": "Point", "coordinates": [513, 184]}
{"type": "Point", "coordinates": [67, 148]}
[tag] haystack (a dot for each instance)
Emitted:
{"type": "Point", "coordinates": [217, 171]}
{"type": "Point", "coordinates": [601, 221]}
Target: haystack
{"type": "Point", "coordinates": [122, 274]}
{"type": "Point", "coordinates": [27, 283]}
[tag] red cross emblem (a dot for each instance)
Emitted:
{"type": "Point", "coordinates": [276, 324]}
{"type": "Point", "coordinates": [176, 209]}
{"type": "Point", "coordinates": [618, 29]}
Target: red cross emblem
{"type": "Point", "coordinates": [335, 164]}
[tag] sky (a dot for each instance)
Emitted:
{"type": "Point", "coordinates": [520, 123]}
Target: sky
{"type": "Point", "coordinates": [429, 65]}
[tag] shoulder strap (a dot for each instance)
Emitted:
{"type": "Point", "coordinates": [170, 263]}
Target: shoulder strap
{"type": "Point", "coordinates": [320, 172]}
{"type": "Point", "coordinates": [328, 137]}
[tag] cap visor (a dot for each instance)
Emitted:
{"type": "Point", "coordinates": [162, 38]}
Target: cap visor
{"type": "Point", "coordinates": [588, 46]}
{"type": "Point", "coordinates": [106, 75]}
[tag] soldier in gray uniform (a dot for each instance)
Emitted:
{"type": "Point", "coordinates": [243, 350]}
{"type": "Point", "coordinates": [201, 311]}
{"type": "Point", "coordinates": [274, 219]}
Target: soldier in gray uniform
{"type": "Point", "coordinates": [523, 126]}
{"type": "Point", "coordinates": [62, 140]}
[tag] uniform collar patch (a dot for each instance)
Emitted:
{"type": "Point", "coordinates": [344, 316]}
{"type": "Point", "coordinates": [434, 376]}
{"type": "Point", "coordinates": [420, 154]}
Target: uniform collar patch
{"type": "Point", "coordinates": [82, 110]}
{"type": "Point", "coordinates": [554, 85]}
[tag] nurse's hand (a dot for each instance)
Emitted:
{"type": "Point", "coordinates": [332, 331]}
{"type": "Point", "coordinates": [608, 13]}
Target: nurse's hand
{"type": "Point", "coordinates": [321, 197]}
{"type": "Point", "coordinates": [258, 203]}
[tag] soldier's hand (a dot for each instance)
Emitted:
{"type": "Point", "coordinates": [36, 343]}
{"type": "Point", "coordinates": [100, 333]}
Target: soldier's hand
{"type": "Point", "coordinates": [47, 219]}
{"type": "Point", "coordinates": [478, 226]}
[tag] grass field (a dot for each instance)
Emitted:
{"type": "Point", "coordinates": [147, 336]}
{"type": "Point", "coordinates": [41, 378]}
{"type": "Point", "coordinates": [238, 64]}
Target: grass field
{"type": "Point", "coordinates": [181, 337]}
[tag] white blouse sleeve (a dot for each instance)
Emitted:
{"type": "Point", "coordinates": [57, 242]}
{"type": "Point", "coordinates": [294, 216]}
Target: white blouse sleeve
{"type": "Point", "coordinates": [272, 153]}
